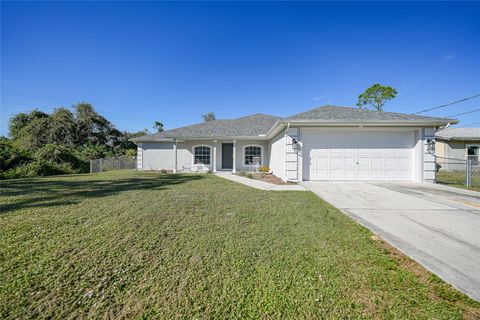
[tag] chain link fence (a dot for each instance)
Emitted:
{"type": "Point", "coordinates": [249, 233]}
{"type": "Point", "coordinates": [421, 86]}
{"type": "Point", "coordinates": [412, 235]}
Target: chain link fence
{"type": "Point", "coordinates": [458, 171]}
{"type": "Point", "coordinates": [116, 163]}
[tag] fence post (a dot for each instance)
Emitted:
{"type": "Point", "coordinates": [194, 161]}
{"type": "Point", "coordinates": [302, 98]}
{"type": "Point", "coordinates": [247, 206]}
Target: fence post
{"type": "Point", "coordinates": [91, 169]}
{"type": "Point", "coordinates": [469, 172]}
{"type": "Point", "coordinates": [101, 165]}
{"type": "Point", "coordinates": [118, 163]}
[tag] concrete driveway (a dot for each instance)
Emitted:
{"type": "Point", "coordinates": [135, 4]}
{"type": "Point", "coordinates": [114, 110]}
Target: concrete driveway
{"type": "Point", "coordinates": [438, 226]}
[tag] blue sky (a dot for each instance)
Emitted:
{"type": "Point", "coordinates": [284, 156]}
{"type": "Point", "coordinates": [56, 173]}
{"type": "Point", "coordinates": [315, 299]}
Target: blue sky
{"type": "Point", "coordinates": [141, 62]}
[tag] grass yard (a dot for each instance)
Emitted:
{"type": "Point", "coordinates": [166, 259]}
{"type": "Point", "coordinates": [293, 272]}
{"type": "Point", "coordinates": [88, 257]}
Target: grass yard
{"type": "Point", "coordinates": [146, 245]}
{"type": "Point", "coordinates": [457, 179]}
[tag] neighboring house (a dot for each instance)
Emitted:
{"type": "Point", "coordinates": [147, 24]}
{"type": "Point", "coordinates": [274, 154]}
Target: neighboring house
{"type": "Point", "coordinates": [458, 143]}
{"type": "Point", "coordinates": [326, 143]}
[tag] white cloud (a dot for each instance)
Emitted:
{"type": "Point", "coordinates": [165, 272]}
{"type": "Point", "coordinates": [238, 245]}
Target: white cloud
{"type": "Point", "coordinates": [323, 96]}
{"type": "Point", "coordinates": [449, 57]}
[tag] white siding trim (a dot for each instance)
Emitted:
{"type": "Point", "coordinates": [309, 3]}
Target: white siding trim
{"type": "Point", "coordinates": [429, 171]}
{"type": "Point", "coordinates": [418, 155]}
{"type": "Point", "coordinates": [139, 157]}
{"type": "Point", "coordinates": [291, 154]}
{"type": "Point", "coordinates": [175, 156]}
{"type": "Point", "coordinates": [214, 169]}
{"type": "Point", "coordinates": [300, 155]}
{"type": "Point", "coordinates": [234, 167]}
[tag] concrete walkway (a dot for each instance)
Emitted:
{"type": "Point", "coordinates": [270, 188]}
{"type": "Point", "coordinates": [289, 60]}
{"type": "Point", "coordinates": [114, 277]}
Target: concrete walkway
{"type": "Point", "coordinates": [436, 225]}
{"type": "Point", "coordinates": [262, 185]}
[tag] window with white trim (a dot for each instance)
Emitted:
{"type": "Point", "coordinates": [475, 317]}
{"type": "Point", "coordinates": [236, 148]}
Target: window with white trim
{"type": "Point", "coordinates": [202, 155]}
{"type": "Point", "coordinates": [251, 152]}
{"type": "Point", "coordinates": [473, 152]}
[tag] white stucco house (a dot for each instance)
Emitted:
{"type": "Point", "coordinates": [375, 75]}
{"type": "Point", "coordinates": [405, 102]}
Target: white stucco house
{"type": "Point", "coordinates": [326, 143]}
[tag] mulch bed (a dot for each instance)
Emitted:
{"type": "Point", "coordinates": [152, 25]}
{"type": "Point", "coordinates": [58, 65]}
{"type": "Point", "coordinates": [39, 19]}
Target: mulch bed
{"type": "Point", "coordinates": [270, 178]}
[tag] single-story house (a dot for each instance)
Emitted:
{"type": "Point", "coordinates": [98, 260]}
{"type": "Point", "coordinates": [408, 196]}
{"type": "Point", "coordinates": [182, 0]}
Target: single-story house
{"type": "Point", "coordinates": [458, 143]}
{"type": "Point", "coordinates": [326, 143]}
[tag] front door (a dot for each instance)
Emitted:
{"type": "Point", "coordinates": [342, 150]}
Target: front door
{"type": "Point", "coordinates": [227, 155]}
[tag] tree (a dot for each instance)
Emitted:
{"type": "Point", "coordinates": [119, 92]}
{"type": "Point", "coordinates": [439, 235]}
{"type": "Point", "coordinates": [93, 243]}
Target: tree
{"type": "Point", "coordinates": [158, 126]}
{"type": "Point", "coordinates": [209, 117]}
{"type": "Point", "coordinates": [33, 135]}
{"type": "Point", "coordinates": [93, 151]}
{"type": "Point", "coordinates": [126, 146]}
{"type": "Point", "coordinates": [376, 96]}
{"type": "Point", "coordinates": [63, 128]}
{"type": "Point", "coordinates": [21, 120]}
{"type": "Point", "coordinates": [94, 128]}
{"type": "Point", "coordinates": [10, 155]}
{"type": "Point", "coordinates": [62, 142]}
{"type": "Point", "coordinates": [17, 123]}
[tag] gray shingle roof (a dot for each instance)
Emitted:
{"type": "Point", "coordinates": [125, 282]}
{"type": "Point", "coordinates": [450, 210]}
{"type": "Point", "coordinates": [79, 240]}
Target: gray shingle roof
{"type": "Point", "coordinates": [249, 126]}
{"type": "Point", "coordinates": [347, 114]}
{"type": "Point", "coordinates": [259, 124]}
{"type": "Point", "coordinates": [468, 134]}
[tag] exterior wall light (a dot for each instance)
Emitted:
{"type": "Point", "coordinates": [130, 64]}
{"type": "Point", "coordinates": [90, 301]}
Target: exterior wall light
{"type": "Point", "coordinates": [431, 146]}
{"type": "Point", "coordinates": [295, 144]}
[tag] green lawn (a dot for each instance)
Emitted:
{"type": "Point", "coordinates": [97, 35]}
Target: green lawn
{"type": "Point", "coordinates": [457, 179]}
{"type": "Point", "coordinates": [146, 245]}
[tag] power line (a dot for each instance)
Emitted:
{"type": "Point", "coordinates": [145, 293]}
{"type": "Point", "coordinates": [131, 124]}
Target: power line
{"type": "Point", "coordinates": [461, 114]}
{"type": "Point", "coordinates": [447, 104]}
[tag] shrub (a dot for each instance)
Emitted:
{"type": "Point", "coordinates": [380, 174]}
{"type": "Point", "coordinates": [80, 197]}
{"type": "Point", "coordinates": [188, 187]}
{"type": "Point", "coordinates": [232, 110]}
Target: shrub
{"type": "Point", "coordinates": [48, 160]}
{"type": "Point", "coordinates": [249, 175]}
{"type": "Point", "coordinates": [59, 160]}
{"type": "Point", "coordinates": [131, 152]}
{"type": "Point", "coordinates": [264, 169]}
{"type": "Point", "coordinates": [91, 151]}
{"type": "Point", "coordinates": [11, 156]}
{"type": "Point", "coordinates": [62, 142]}
{"type": "Point", "coordinates": [20, 171]}
{"type": "Point", "coordinates": [38, 168]}
{"type": "Point", "coordinates": [241, 173]}
{"type": "Point", "coordinates": [41, 168]}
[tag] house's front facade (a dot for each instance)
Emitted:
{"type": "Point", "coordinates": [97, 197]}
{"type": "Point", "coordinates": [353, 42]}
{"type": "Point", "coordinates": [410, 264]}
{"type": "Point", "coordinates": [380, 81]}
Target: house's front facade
{"type": "Point", "coordinates": [458, 144]}
{"type": "Point", "coordinates": [327, 143]}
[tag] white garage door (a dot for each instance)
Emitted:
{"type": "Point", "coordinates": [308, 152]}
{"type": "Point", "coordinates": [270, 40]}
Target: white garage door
{"type": "Point", "coordinates": [357, 155]}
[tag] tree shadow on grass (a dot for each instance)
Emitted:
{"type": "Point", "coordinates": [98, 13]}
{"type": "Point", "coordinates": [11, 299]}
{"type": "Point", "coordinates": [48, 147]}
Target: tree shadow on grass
{"type": "Point", "coordinates": [49, 193]}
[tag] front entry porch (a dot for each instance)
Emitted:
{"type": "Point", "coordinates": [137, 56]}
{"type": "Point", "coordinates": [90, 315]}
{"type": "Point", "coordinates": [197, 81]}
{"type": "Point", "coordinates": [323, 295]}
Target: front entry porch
{"type": "Point", "coordinates": [203, 155]}
{"type": "Point", "coordinates": [222, 154]}
{"type": "Point", "coordinates": [217, 155]}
